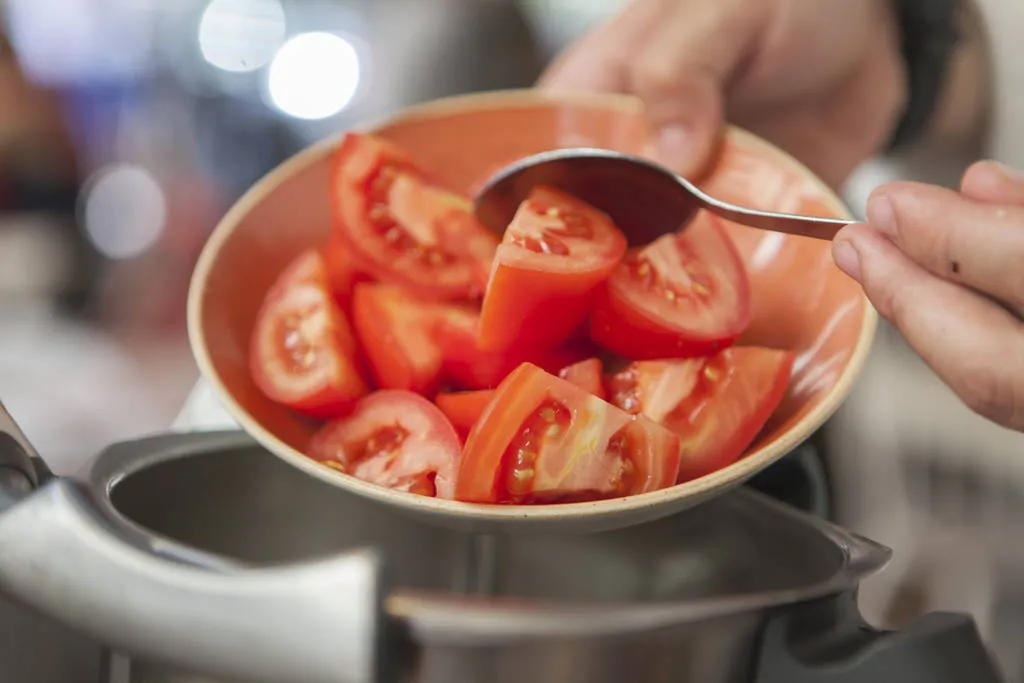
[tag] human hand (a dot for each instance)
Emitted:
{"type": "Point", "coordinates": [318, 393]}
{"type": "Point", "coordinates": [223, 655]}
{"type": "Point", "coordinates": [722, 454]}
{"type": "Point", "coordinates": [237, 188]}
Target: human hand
{"type": "Point", "coordinates": [947, 269]}
{"type": "Point", "coordinates": [823, 79]}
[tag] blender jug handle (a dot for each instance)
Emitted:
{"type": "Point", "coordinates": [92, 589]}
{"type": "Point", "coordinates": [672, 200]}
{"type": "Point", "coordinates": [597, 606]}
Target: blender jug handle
{"type": "Point", "coordinates": [314, 622]}
{"type": "Point", "coordinates": [827, 641]}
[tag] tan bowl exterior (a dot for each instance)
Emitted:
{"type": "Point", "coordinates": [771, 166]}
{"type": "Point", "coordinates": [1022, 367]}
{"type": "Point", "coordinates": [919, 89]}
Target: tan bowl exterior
{"type": "Point", "coordinates": [801, 301]}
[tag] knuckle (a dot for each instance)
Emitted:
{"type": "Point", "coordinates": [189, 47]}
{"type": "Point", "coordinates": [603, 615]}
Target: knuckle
{"type": "Point", "coordinates": [994, 392]}
{"type": "Point", "coordinates": [655, 76]}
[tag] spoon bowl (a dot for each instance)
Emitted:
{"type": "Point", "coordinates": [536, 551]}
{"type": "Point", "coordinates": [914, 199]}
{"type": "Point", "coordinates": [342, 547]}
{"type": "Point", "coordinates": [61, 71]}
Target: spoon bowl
{"type": "Point", "coordinates": [643, 198]}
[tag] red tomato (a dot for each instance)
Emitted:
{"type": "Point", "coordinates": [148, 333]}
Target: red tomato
{"type": "Point", "coordinates": [463, 408]}
{"type": "Point", "coordinates": [470, 367]}
{"type": "Point", "coordinates": [395, 329]}
{"type": "Point", "coordinates": [395, 439]}
{"type": "Point", "coordinates": [343, 271]}
{"type": "Point", "coordinates": [716, 405]}
{"type": "Point", "coordinates": [302, 352]}
{"type": "Point", "coordinates": [405, 229]}
{"type": "Point", "coordinates": [587, 375]}
{"type": "Point", "coordinates": [555, 254]}
{"type": "Point", "coordinates": [682, 295]}
{"type": "Point", "coordinates": [543, 439]}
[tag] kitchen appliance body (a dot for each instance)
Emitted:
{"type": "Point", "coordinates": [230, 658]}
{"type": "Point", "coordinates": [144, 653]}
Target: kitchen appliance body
{"type": "Point", "coordinates": [252, 571]}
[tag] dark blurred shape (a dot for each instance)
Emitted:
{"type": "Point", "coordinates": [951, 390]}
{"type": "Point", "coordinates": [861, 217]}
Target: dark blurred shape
{"type": "Point", "coordinates": [496, 50]}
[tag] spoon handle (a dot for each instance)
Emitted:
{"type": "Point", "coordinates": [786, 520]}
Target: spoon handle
{"type": "Point", "coordinates": [791, 224]}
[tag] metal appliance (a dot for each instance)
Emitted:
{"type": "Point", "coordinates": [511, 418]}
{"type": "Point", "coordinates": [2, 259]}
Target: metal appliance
{"type": "Point", "coordinates": [203, 558]}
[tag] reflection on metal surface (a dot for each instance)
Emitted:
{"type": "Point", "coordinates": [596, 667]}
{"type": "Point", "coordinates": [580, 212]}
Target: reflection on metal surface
{"type": "Point", "coordinates": [241, 35]}
{"type": "Point", "coordinates": [314, 75]}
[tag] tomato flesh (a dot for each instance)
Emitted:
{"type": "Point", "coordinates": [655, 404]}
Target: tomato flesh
{"type": "Point", "coordinates": [683, 295]}
{"type": "Point", "coordinates": [555, 254]}
{"type": "Point", "coordinates": [464, 408]}
{"type": "Point", "coordinates": [395, 439]}
{"type": "Point", "coordinates": [543, 439]}
{"type": "Point", "coordinates": [470, 367]}
{"type": "Point", "coordinates": [302, 353]}
{"type": "Point", "coordinates": [716, 405]}
{"type": "Point", "coordinates": [406, 229]}
{"type": "Point", "coordinates": [343, 271]}
{"type": "Point", "coordinates": [587, 375]}
{"type": "Point", "coordinates": [395, 329]}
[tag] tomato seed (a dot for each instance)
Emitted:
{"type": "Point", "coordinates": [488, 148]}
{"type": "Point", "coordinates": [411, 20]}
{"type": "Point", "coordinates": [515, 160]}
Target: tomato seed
{"type": "Point", "coordinates": [547, 414]}
{"type": "Point", "coordinates": [523, 475]}
{"type": "Point", "coordinates": [711, 373]}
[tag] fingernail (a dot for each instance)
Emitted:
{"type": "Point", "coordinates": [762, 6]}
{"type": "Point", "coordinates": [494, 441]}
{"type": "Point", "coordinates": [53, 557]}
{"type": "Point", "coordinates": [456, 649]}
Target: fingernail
{"type": "Point", "coordinates": [881, 215]}
{"type": "Point", "coordinates": [1012, 174]}
{"type": "Point", "coordinates": [675, 146]}
{"type": "Point", "coordinates": [847, 258]}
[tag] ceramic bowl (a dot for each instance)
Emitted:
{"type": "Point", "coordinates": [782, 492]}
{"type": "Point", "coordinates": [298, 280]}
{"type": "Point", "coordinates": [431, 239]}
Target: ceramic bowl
{"type": "Point", "coordinates": [801, 301]}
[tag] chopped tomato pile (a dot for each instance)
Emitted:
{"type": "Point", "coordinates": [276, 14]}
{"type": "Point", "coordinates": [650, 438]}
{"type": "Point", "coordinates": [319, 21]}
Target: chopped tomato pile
{"type": "Point", "coordinates": [550, 365]}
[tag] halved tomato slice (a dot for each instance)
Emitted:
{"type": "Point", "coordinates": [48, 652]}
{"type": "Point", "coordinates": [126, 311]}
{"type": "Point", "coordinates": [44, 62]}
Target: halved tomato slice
{"type": "Point", "coordinates": [683, 295]}
{"type": "Point", "coordinates": [395, 439]}
{"type": "Point", "coordinates": [302, 353]}
{"type": "Point", "coordinates": [463, 408]}
{"type": "Point", "coordinates": [396, 331]}
{"type": "Point", "coordinates": [554, 256]}
{"type": "Point", "coordinates": [470, 367]}
{"type": "Point", "coordinates": [586, 375]}
{"type": "Point", "coordinates": [543, 439]}
{"type": "Point", "coordinates": [716, 405]}
{"type": "Point", "coordinates": [405, 229]}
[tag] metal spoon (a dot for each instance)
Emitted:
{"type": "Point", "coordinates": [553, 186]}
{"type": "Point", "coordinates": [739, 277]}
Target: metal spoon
{"type": "Point", "coordinates": [643, 198]}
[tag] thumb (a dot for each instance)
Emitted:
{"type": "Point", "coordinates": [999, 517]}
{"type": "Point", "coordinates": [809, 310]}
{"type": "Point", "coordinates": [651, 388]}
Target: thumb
{"type": "Point", "coordinates": [686, 113]}
{"type": "Point", "coordinates": [683, 71]}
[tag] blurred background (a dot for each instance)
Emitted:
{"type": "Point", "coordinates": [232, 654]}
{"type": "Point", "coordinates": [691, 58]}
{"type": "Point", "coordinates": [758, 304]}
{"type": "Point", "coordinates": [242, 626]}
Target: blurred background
{"type": "Point", "coordinates": [128, 127]}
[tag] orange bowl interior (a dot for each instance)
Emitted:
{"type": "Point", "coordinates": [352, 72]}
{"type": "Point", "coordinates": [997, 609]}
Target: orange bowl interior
{"type": "Point", "coordinates": [801, 301]}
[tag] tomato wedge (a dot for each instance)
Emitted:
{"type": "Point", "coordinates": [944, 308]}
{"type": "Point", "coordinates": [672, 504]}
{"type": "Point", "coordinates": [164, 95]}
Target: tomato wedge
{"type": "Point", "coordinates": [543, 439]}
{"type": "Point", "coordinates": [554, 255]}
{"type": "Point", "coordinates": [716, 405]}
{"type": "Point", "coordinates": [463, 408]}
{"type": "Point", "coordinates": [302, 353]}
{"type": "Point", "coordinates": [405, 229]}
{"type": "Point", "coordinates": [396, 331]}
{"type": "Point", "coordinates": [683, 295]}
{"type": "Point", "coordinates": [395, 439]}
{"type": "Point", "coordinates": [470, 367]}
{"type": "Point", "coordinates": [343, 271]}
{"type": "Point", "coordinates": [587, 375]}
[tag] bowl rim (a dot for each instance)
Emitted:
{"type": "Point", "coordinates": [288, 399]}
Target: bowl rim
{"type": "Point", "coordinates": [722, 479]}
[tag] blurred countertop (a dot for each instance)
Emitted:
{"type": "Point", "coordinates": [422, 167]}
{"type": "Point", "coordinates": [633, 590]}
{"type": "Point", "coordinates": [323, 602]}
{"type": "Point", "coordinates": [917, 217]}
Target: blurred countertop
{"type": "Point", "coordinates": [75, 389]}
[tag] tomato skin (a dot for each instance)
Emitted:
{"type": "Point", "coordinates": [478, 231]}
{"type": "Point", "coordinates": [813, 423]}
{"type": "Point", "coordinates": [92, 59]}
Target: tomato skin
{"type": "Point", "coordinates": [536, 298]}
{"type": "Point", "coordinates": [464, 408]}
{"type": "Point", "coordinates": [652, 307]}
{"type": "Point", "coordinates": [543, 439]}
{"type": "Point", "coordinates": [396, 333]}
{"type": "Point", "coordinates": [470, 367]}
{"type": "Point", "coordinates": [716, 405]}
{"type": "Point", "coordinates": [404, 229]}
{"type": "Point", "coordinates": [322, 376]}
{"type": "Point", "coordinates": [395, 439]}
{"type": "Point", "coordinates": [343, 271]}
{"type": "Point", "coordinates": [587, 375]}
